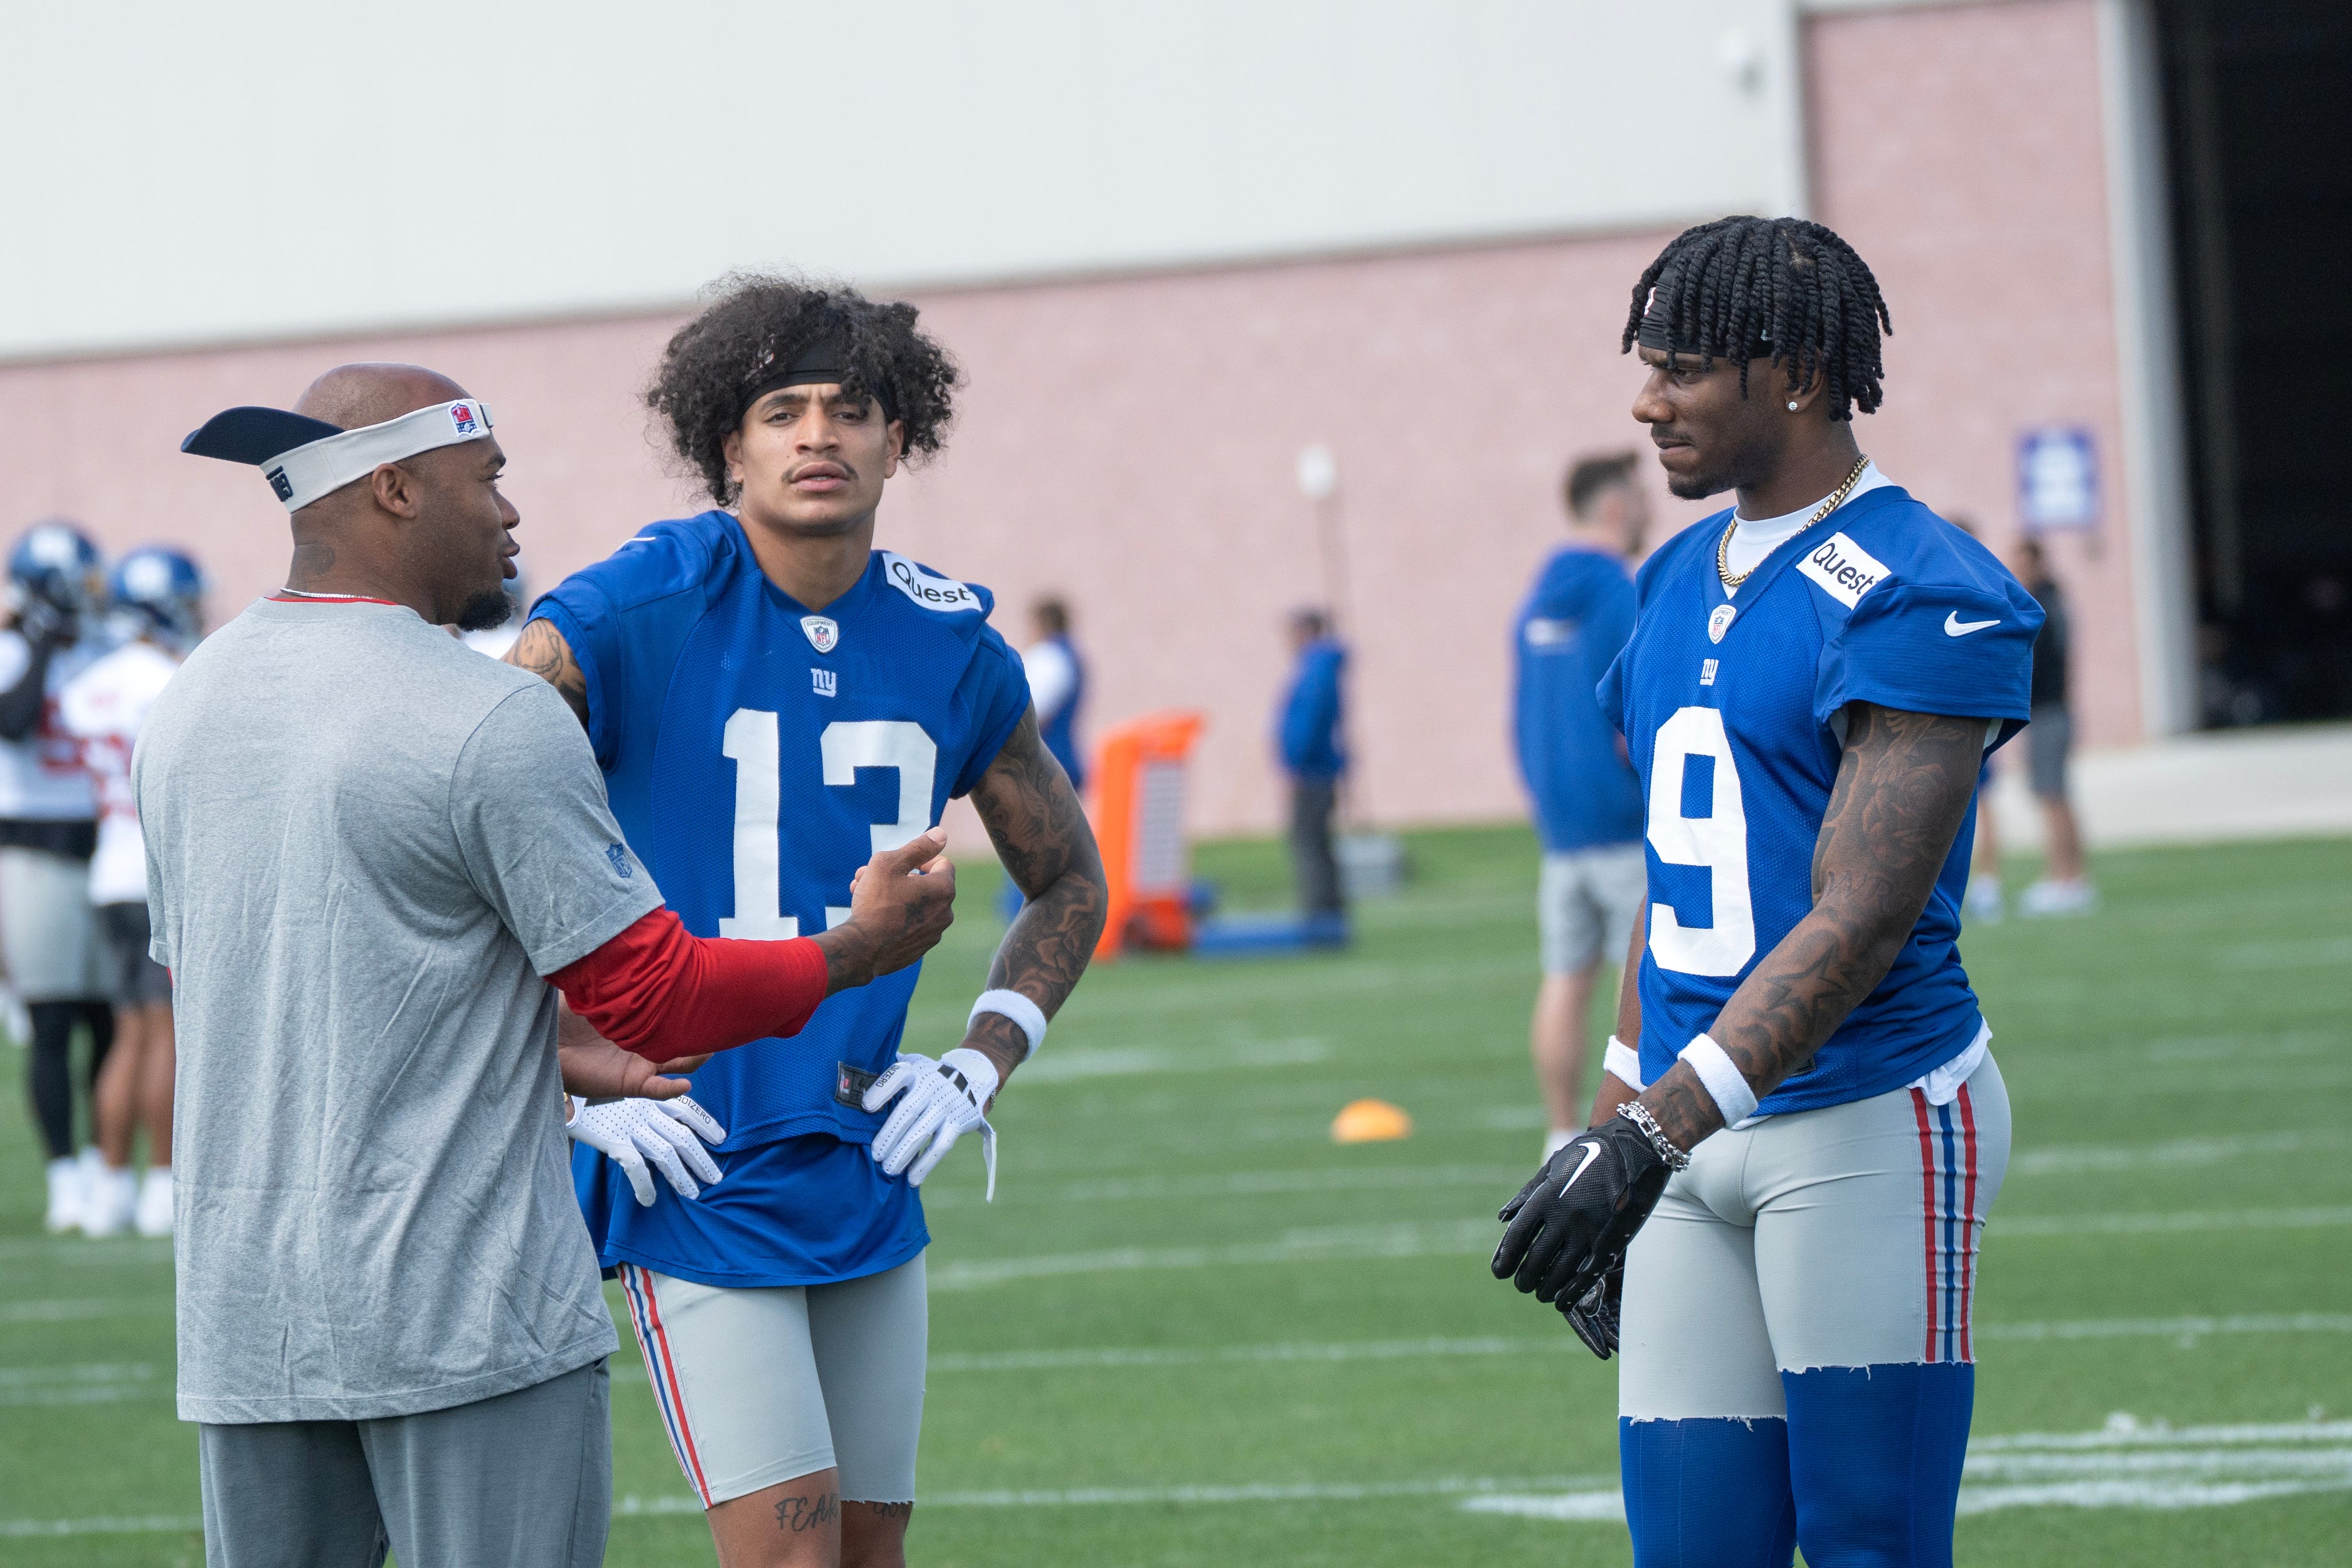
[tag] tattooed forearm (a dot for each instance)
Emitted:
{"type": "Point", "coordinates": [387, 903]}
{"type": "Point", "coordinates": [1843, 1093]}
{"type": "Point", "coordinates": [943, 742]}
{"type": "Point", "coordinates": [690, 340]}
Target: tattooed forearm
{"type": "Point", "coordinates": [542, 650]}
{"type": "Point", "coordinates": [802, 1512]}
{"type": "Point", "coordinates": [1902, 791]}
{"type": "Point", "coordinates": [1034, 818]}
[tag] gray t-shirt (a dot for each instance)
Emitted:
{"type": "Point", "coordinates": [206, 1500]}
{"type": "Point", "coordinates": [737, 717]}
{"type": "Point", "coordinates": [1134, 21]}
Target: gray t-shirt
{"type": "Point", "coordinates": [365, 845]}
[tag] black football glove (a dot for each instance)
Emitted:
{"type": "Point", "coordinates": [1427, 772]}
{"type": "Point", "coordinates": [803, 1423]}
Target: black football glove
{"type": "Point", "coordinates": [1594, 1314]}
{"type": "Point", "coordinates": [1572, 1223]}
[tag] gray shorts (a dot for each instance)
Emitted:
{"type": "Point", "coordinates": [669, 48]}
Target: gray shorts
{"type": "Point", "coordinates": [1843, 1237]}
{"type": "Point", "coordinates": [134, 978]}
{"type": "Point", "coordinates": [49, 933]}
{"type": "Point", "coordinates": [2048, 740]}
{"type": "Point", "coordinates": [758, 1386]}
{"type": "Point", "coordinates": [522, 1479]}
{"type": "Point", "coordinates": [1586, 904]}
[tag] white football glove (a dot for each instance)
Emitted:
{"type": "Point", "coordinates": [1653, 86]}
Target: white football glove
{"type": "Point", "coordinates": [943, 1101]}
{"type": "Point", "coordinates": [663, 1131]}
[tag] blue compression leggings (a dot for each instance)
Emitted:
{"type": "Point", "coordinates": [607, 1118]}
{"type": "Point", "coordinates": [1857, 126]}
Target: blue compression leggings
{"type": "Point", "coordinates": [1863, 1473]}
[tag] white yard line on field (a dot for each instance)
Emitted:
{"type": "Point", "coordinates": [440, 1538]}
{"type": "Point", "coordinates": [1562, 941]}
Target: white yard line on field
{"type": "Point", "coordinates": [1464, 1236]}
{"type": "Point", "coordinates": [2122, 1465]}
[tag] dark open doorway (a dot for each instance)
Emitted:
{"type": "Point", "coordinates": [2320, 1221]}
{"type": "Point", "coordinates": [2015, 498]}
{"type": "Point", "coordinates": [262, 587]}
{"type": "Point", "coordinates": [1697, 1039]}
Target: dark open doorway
{"type": "Point", "coordinates": [2258, 107]}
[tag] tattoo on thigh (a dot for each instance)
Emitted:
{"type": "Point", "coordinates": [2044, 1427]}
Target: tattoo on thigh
{"type": "Point", "coordinates": [801, 1513]}
{"type": "Point", "coordinates": [886, 1510]}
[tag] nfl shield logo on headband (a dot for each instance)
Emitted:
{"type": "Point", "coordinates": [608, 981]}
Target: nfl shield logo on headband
{"type": "Point", "coordinates": [461, 419]}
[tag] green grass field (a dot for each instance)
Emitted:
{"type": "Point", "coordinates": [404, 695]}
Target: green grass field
{"type": "Point", "coordinates": [1192, 1331]}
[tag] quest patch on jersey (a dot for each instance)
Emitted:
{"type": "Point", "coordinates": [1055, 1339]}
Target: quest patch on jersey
{"type": "Point", "coordinates": [823, 633]}
{"type": "Point", "coordinates": [933, 593]}
{"type": "Point", "coordinates": [1844, 569]}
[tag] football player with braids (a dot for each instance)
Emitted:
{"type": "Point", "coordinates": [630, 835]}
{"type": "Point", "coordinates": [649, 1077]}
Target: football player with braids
{"type": "Point", "coordinates": [1777, 1210]}
{"type": "Point", "coordinates": [772, 699]}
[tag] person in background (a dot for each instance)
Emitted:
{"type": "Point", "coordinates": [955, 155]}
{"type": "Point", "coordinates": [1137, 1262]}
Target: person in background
{"type": "Point", "coordinates": [1310, 727]}
{"type": "Point", "coordinates": [48, 827]}
{"type": "Point", "coordinates": [2065, 889]}
{"type": "Point", "coordinates": [1588, 801]}
{"type": "Point", "coordinates": [1057, 686]}
{"type": "Point", "coordinates": [158, 596]}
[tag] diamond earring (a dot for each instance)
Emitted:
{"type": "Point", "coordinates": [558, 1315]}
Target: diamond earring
{"type": "Point", "coordinates": [1792, 406]}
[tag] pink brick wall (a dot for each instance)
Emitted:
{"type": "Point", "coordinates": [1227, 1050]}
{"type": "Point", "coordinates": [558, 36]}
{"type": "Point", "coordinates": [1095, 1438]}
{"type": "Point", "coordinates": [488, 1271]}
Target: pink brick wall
{"type": "Point", "coordinates": [1960, 149]}
{"type": "Point", "coordinates": [1130, 443]}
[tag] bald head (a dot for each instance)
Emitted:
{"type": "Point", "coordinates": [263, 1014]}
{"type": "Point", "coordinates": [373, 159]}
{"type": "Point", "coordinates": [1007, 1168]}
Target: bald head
{"type": "Point", "coordinates": [352, 396]}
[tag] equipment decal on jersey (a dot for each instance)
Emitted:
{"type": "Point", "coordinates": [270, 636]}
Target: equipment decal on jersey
{"type": "Point", "coordinates": [932, 592]}
{"type": "Point", "coordinates": [823, 633]}
{"type": "Point", "coordinates": [1844, 569]}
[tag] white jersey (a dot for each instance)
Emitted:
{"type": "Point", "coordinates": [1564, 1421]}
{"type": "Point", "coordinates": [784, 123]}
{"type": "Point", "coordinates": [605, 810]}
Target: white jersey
{"type": "Point", "coordinates": [41, 776]}
{"type": "Point", "coordinates": [102, 708]}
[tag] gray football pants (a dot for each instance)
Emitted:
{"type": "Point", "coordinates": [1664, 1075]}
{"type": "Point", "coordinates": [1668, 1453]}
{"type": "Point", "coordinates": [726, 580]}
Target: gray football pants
{"type": "Point", "coordinates": [1840, 1237]}
{"type": "Point", "coordinates": [520, 1481]}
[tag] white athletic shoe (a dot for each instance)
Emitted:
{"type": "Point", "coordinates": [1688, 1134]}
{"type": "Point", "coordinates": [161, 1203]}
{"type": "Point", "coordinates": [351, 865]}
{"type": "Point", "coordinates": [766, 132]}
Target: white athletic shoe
{"type": "Point", "coordinates": [108, 1205]}
{"type": "Point", "coordinates": [2051, 898]}
{"type": "Point", "coordinates": [64, 1196]}
{"type": "Point", "coordinates": [153, 1217]}
{"type": "Point", "coordinates": [1984, 900]}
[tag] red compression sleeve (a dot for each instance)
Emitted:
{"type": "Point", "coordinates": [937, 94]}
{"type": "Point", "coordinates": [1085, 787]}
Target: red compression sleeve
{"type": "Point", "coordinates": [659, 993]}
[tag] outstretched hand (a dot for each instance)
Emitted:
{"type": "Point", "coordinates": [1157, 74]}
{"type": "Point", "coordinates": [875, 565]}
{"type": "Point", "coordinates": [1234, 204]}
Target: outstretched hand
{"type": "Point", "coordinates": [900, 903]}
{"type": "Point", "coordinates": [593, 1068]}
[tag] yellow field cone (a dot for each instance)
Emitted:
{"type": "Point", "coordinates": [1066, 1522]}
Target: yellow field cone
{"type": "Point", "coordinates": [1370, 1121]}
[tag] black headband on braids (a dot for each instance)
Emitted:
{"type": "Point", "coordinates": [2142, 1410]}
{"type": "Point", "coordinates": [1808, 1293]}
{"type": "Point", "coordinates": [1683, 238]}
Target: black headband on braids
{"type": "Point", "coordinates": [1779, 289]}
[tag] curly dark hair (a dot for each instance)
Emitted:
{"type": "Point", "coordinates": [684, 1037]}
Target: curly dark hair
{"type": "Point", "coordinates": [761, 319]}
{"type": "Point", "coordinates": [1751, 287]}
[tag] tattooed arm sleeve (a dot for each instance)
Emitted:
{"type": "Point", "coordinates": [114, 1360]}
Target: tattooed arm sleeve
{"type": "Point", "coordinates": [542, 650]}
{"type": "Point", "coordinates": [1040, 831]}
{"type": "Point", "coordinates": [1903, 789]}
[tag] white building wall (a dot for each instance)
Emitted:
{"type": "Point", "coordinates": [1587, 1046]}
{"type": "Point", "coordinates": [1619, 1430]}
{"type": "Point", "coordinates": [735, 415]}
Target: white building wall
{"type": "Point", "coordinates": [258, 169]}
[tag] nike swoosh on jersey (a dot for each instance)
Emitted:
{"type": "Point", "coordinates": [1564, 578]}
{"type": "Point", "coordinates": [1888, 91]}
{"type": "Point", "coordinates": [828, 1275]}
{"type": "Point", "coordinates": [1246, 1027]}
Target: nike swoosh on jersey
{"type": "Point", "coordinates": [1956, 628]}
{"type": "Point", "coordinates": [1591, 1152]}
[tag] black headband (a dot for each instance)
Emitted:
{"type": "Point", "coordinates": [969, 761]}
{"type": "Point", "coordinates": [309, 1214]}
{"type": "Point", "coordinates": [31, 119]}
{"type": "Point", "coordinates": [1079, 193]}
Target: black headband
{"type": "Point", "coordinates": [825, 362]}
{"type": "Point", "coordinates": [1660, 331]}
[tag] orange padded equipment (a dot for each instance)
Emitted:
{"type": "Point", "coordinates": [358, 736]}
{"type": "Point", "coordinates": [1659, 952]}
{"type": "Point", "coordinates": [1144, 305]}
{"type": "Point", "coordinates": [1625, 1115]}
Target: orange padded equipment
{"type": "Point", "coordinates": [1139, 820]}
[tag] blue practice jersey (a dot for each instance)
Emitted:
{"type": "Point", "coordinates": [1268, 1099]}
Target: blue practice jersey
{"type": "Point", "coordinates": [1573, 627]}
{"type": "Point", "coordinates": [757, 755]}
{"type": "Point", "coordinates": [1731, 706]}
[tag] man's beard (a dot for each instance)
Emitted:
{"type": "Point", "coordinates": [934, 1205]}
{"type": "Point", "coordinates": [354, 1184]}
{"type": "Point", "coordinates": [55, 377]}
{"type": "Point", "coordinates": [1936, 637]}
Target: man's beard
{"type": "Point", "coordinates": [488, 608]}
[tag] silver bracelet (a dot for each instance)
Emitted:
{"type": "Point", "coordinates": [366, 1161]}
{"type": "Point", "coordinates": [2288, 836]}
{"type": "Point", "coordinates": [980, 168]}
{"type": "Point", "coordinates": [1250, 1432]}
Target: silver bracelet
{"type": "Point", "coordinates": [1634, 1112]}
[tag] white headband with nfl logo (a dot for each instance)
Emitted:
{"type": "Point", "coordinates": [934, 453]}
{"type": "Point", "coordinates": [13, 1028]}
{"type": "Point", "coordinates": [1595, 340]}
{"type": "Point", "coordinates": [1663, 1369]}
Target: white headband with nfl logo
{"type": "Point", "coordinates": [305, 459]}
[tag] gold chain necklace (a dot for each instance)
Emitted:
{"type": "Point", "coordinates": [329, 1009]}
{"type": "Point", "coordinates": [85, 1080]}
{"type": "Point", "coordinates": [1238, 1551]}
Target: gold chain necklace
{"type": "Point", "coordinates": [1837, 499]}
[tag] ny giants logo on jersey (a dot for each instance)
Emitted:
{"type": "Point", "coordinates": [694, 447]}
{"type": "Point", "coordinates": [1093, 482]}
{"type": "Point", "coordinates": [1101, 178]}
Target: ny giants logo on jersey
{"type": "Point", "coordinates": [1844, 569]}
{"type": "Point", "coordinates": [461, 419]}
{"type": "Point", "coordinates": [932, 593]}
{"type": "Point", "coordinates": [824, 682]}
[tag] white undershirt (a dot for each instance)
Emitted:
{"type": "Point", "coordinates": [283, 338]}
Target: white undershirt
{"type": "Point", "coordinates": [1751, 541]}
{"type": "Point", "coordinates": [1052, 677]}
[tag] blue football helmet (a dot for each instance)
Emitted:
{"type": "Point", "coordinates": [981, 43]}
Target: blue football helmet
{"type": "Point", "coordinates": [159, 592]}
{"type": "Point", "coordinates": [56, 563]}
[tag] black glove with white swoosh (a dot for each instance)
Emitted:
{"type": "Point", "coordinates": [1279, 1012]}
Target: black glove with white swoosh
{"type": "Point", "coordinates": [1594, 1315]}
{"type": "Point", "coordinates": [1571, 1225]}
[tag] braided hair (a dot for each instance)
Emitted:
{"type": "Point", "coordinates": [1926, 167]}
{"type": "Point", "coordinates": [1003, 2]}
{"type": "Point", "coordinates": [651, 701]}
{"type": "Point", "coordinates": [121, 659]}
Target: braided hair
{"type": "Point", "coordinates": [1780, 288]}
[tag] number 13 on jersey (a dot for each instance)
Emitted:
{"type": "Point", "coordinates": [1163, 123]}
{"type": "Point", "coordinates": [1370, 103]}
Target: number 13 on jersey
{"type": "Point", "coordinates": [751, 739]}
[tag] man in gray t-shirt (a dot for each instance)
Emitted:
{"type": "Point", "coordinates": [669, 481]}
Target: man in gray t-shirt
{"type": "Point", "coordinates": [367, 847]}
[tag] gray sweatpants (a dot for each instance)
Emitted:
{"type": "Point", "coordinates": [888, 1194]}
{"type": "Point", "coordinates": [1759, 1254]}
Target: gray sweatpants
{"type": "Point", "coordinates": [521, 1480]}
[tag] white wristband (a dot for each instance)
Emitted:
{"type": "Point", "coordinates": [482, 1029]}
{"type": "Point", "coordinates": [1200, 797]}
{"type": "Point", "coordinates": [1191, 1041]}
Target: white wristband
{"type": "Point", "coordinates": [1723, 1080]}
{"type": "Point", "coordinates": [1623, 1063]}
{"type": "Point", "coordinates": [1019, 1008]}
